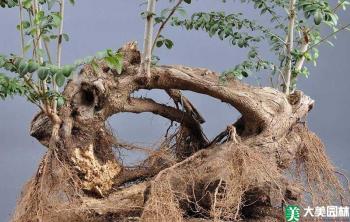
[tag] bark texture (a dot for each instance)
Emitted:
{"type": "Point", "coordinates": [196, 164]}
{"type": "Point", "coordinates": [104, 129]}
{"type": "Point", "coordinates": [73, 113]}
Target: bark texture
{"type": "Point", "coordinates": [265, 160]}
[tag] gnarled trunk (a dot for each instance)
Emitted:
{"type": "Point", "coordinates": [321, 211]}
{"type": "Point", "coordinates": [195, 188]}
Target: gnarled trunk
{"type": "Point", "coordinates": [246, 172]}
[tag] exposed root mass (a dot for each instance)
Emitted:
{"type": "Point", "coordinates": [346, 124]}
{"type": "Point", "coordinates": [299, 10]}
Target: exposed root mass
{"type": "Point", "coordinates": [266, 160]}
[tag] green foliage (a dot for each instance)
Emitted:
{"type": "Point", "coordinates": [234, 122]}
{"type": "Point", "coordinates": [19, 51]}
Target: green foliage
{"type": "Point", "coordinates": [45, 72]}
{"type": "Point", "coordinates": [11, 86]}
{"type": "Point", "coordinates": [163, 41]}
{"type": "Point", "coordinates": [44, 23]}
{"type": "Point", "coordinates": [234, 28]}
{"type": "Point", "coordinates": [248, 34]}
{"type": "Point", "coordinates": [114, 60]}
{"type": "Point", "coordinates": [59, 79]}
{"type": "Point", "coordinates": [8, 3]}
{"type": "Point", "coordinates": [320, 10]}
{"type": "Point", "coordinates": [231, 27]}
{"type": "Point", "coordinates": [38, 78]}
{"type": "Point", "coordinates": [27, 3]}
{"type": "Point", "coordinates": [252, 64]}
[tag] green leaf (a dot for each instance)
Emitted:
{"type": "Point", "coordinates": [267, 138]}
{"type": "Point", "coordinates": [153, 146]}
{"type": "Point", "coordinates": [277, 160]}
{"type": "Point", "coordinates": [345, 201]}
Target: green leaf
{"type": "Point", "coordinates": [59, 79]}
{"type": "Point", "coordinates": [182, 12]}
{"type": "Point", "coordinates": [252, 54]}
{"type": "Point", "coordinates": [240, 43]}
{"type": "Point", "coordinates": [334, 18]}
{"type": "Point", "coordinates": [39, 17]}
{"type": "Point", "coordinates": [159, 43]}
{"type": "Point", "coordinates": [27, 4]}
{"type": "Point", "coordinates": [101, 54]}
{"type": "Point", "coordinates": [25, 25]}
{"type": "Point", "coordinates": [56, 17]}
{"type": "Point", "coordinates": [18, 61]}
{"type": "Point", "coordinates": [53, 70]}
{"type": "Point", "coordinates": [60, 101]}
{"type": "Point", "coordinates": [115, 61]}
{"type": "Point", "coordinates": [109, 52]}
{"type": "Point", "coordinates": [318, 17]}
{"type": "Point", "coordinates": [53, 36]}
{"type": "Point", "coordinates": [23, 68]}
{"type": "Point", "coordinates": [45, 38]}
{"type": "Point", "coordinates": [65, 37]}
{"type": "Point", "coordinates": [72, 2]}
{"type": "Point", "coordinates": [10, 86]}
{"type": "Point", "coordinates": [43, 72]}
{"type": "Point", "coordinates": [94, 66]}
{"type": "Point", "coordinates": [168, 43]}
{"type": "Point", "coordinates": [245, 73]}
{"type": "Point", "coordinates": [10, 67]}
{"type": "Point", "coordinates": [67, 70]}
{"type": "Point", "coordinates": [32, 66]}
{"type": "Point", "coordinates": [2, 61]}
{"type": "Point", "coordinates": [187, 1]}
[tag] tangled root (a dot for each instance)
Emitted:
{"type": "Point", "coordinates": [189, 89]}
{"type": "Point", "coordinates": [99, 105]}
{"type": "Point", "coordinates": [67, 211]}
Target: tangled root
{"type": "Point", "coordinates": [252, 179]}
{"type": "Point", "coordinates": [163, 205]}
{"type": "Point", "coordinates": [185, 192]}
{"type": "Point", "coordinates": [227, 182]}
{"type": "Point", "coordinates": [317, 172]}
{"type": "Point", "coordinates": [49, 192]}
{"type": "Point", "coordinates": [250, 185]}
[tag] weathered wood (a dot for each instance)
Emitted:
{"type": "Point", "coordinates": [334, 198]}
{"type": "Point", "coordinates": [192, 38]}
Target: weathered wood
{"type": "Point", "coordinates": [267, 133]}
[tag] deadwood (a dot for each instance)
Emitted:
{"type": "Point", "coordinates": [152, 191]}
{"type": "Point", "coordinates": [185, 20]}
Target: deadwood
{"type": "Point", "coordinates": [241, 171]}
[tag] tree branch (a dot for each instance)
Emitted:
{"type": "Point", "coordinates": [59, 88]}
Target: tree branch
{"type": "Point", "coordinates": [59, 51]}
{"type": "Point", "coordinates": [289, 46]}
{"type": "Point", "coordinates": [257, 104]}
{"type": "Point", "coordinates": [172, 11]}
{"type": "Point", "coordinates": [178, 98]}
{"type": "Point", "coordinates": [148, 37]}
{"type": "Point", "coordinates": [21, 26]}
{"type": "Point", "coordinates": [135, 105]}
{"type": "Point", "coordinates": [329, 36]}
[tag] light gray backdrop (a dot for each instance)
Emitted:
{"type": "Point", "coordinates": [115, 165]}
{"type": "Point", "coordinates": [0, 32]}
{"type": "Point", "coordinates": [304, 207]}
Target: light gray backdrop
{"type": "Point", "coordinates": [97, 25]}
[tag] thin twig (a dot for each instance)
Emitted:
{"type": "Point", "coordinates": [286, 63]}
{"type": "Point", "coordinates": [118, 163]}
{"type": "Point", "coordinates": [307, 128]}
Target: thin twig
{"type": "Point", "coordinates": [290, 42]}
{"type": "Point", "coordinates": [21, 26]}
{"type": "Point", "coordinates": [40, 59]}
{"type": "Point", "coordinates": [329, 36]}
{"type": "Point", "coordinates": [172, 11]}
{"type": "Point", "coordinates": [47, 49]}
{"type": "Point", "coordinates": [215, 198]}
{"type": "Point", "coordinates": [148, 37]}
{"type": "Point", "coordinates": [30, 13]}
{"type": "Point", "coordinates": [303, 49]}
{"type": "Point", "coordinates": [60, 33]}
{"type": "Point", "coordinates": [345, 177]}
{"type": "Point", "coordinates": [59, 51]}
{"type": "Point", "coordinates": [338, 6]}
{"type": "Point", "coordinates": [38, 34]}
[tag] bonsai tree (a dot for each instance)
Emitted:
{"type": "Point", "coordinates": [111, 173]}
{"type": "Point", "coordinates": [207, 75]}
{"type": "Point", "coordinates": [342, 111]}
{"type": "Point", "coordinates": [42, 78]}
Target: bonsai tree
{"type": "Point", "coordinates": [266, 160]}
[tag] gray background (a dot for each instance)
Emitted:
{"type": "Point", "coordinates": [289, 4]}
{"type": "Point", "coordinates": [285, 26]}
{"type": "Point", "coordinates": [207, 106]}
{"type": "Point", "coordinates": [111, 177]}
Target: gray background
{"type": "Point", "coordinates": [97, 25]}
